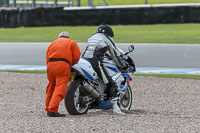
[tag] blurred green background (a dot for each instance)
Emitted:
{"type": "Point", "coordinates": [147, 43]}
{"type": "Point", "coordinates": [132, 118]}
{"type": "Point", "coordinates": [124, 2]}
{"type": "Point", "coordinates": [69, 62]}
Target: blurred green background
{"type": "Point", "coordinates": [158, 33]}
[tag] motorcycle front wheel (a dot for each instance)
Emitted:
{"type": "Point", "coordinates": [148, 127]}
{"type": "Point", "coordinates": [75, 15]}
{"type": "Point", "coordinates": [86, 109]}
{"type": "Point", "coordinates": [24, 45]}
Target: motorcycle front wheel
{"type": "Point", "coordinates": [126, 101]}
{"type": "Point", "coordinates": [74, 99]}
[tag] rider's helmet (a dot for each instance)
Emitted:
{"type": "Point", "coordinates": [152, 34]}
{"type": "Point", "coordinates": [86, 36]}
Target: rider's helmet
{"type": "Point", "coordinates": [106, 29]}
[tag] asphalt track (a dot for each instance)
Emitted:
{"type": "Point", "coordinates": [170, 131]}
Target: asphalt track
{"type": "Point", "coordinates": [154, 56]}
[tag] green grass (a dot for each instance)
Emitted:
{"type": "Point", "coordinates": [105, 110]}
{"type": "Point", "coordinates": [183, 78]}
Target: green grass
{"type": "Point", "coordinates": [25, 71]}
{"type": "Point", "coordinates": [126, 2]}
{"type": "Point", "coordinates": [159, 33]}
{"type": "Point", "coordinates": [181, 76]}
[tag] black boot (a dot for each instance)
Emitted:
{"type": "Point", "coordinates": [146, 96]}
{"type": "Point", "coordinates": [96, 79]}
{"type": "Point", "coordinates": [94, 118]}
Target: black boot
{"type": "Point", "coordinates": [51, 114]}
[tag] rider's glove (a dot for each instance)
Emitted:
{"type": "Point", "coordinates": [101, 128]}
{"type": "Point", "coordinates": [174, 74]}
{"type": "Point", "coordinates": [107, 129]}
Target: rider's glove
{"type": "Point", "coordinates": [125, 65]}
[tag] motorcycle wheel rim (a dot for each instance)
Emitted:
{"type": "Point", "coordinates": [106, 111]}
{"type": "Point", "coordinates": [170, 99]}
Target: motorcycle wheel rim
{"type": "Point", "coordinates": [126, 100]}
{"type": "Point", "coordinates": [77, 96]}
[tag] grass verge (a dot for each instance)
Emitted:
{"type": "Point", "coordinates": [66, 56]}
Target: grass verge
{"type": "Point", "coordinates": [181, 76]}
{"type": "Point", "coordinates": [25, 71]}
{"type": "Point", "coordinates": [158, 33]}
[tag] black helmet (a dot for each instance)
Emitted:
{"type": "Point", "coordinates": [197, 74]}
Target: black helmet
{"type": "Point", "coordinates": [106, 29]}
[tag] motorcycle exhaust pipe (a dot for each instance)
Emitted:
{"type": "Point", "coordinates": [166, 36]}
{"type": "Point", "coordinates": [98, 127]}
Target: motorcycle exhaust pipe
{"type": "Point", "coordinates": [90, 91]}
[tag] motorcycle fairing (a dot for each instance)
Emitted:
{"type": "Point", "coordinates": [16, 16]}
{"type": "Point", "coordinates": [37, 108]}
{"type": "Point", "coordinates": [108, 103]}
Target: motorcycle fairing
{"type": "Point", "coordinates": [85, 68]}
{"type": "Point", "coordinates": [112, 68]}
{"type": "Point", "coordinates": [127, 75]}
{"type": "Point", "coordinates": [87, 74]}
{"type": "Point", "coordinates": [109, 62]}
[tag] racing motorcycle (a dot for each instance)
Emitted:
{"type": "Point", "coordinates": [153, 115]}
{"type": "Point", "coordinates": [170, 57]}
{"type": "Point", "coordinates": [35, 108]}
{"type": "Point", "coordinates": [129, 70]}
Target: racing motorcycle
{"type": "Point", "coordinates": [87, 91]}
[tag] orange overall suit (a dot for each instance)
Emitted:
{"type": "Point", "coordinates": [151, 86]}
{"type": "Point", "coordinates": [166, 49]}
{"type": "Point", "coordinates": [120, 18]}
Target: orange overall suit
{"type": "Point", "coordinates": [58, 71]}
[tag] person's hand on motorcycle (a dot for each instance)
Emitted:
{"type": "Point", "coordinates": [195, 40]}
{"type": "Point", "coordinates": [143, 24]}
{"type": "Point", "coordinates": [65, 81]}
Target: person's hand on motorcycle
{"type": "Point", "coordinates": [125, 64]}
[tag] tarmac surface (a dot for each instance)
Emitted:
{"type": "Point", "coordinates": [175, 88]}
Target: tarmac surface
{"type": "Point", "coordinates": [145, 55]}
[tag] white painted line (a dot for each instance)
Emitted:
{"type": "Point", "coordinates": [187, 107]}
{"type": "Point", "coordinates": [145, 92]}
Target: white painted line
{"type": "Point", "coordinates": [22, 67]}
{"type": "Point", "coordinates": [132, 6]}
{"type": "Point", "coordinates": [169, 70]}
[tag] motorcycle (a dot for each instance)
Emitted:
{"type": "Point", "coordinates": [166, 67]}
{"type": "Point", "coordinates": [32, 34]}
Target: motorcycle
{"type": "Point", "coordinates": [87, 91]}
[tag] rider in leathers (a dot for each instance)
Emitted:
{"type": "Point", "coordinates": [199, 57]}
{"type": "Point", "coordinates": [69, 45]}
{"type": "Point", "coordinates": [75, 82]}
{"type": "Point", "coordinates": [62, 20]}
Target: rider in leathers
{"type": "Point", "coordinates": [98, 45]}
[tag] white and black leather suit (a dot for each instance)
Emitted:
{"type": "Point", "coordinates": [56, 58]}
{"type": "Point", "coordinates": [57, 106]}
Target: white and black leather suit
{"type": "Point", "coordinates": [99, 44]}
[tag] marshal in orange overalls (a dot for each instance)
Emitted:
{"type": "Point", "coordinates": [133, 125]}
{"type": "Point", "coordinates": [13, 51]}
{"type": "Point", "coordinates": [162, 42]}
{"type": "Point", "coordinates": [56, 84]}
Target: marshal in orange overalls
{"type": "Point", "coordinates": [58, 72]}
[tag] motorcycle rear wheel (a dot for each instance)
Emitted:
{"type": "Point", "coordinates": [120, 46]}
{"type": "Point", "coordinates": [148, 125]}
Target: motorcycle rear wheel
{"type": "Point", "coordinates": [73, 103]}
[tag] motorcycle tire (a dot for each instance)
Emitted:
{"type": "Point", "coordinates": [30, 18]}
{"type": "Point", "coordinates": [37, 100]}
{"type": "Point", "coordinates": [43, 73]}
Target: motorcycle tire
{"type": "Point", "coordinates": [126, 100]}
{"type": "Point", "coordinates": [72, 98]}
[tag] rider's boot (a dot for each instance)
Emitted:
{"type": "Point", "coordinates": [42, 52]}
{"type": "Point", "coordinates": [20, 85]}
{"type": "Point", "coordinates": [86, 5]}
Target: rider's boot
{"type": "Point", "coordinates": [116, 108]}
